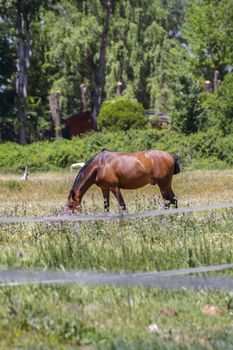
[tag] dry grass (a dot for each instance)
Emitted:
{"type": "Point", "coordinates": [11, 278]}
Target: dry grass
{"type": "Point", "coordinates": [46, 192]}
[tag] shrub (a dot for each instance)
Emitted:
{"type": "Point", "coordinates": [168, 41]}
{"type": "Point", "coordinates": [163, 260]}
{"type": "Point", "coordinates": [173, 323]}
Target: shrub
{"type": "Point", "coordinates": [197, 149]}
{"type": "Point", "coordinates": [122, 114]}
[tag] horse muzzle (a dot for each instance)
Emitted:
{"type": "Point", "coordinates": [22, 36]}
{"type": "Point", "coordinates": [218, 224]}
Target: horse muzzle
{"type": "Point", "coordinates": [72, 207]}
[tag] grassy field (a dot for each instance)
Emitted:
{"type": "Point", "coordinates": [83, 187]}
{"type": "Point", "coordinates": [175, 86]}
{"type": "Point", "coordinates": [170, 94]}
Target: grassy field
{"type": "Point", "coordinates": [71, 317]}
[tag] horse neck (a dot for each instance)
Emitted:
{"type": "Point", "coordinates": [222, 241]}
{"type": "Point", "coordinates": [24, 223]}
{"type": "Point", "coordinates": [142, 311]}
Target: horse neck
{"type": "Point", "coordinates": [87, 180]}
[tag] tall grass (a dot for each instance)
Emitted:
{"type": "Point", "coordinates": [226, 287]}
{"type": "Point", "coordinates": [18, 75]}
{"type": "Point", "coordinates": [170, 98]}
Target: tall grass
{"type": "Point", "coordinates": [71, 317]}
{"type": "Point", "coordinates": [159, 243]}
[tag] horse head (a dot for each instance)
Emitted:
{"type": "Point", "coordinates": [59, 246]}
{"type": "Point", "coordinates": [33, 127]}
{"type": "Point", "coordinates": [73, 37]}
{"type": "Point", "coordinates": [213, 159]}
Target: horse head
{"type": "Point", "coordinates": [73, 201]}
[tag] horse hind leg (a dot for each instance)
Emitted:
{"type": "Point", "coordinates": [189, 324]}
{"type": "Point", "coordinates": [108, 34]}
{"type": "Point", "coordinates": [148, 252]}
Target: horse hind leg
{"type": "Point", "coordinates": [173, 198]}
{"type": "Point", "coordinates": [168, 195]}
{"type": "Point", "coordinates": [174, 201]}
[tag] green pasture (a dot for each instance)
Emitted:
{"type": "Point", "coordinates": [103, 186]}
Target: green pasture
{"type": "Point", "coordinates": [88, 317]}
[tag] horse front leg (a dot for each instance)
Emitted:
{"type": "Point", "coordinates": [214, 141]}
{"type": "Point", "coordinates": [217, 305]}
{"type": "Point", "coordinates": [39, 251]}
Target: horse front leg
{"type": "Point", "coordinates": [117, 193]}
{"type": "Point", "coordinates": [106, 194]}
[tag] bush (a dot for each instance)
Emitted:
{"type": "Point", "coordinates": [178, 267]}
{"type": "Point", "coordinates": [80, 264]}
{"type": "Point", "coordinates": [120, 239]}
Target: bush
{"type": "Point", "coordinates": [122, 114]}
{"type": "Point", "coordinates": [198, 150]}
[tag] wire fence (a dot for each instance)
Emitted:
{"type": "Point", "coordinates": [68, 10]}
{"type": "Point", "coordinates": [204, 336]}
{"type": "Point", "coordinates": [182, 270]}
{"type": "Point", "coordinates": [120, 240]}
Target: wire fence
{"type": "Point", "coordinates": [109, 217]}
{"type": "Point", "coordinates": [173, 279]}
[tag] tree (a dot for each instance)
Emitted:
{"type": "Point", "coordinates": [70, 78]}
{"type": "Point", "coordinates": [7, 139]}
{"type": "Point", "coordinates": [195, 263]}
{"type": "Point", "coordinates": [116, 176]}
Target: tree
{"type": "Point", "coordinates": [175, 10]}
{"type": "Point", "coordinates": [55, 112]}
{"type": "Point", "coordinates": [100, 74]}
{"type": "Point", "coordinates": [7, 69]}
{"type": "Point", "coordinates": [140, 51]}
{"type": "Point", "coordinates": [220, 107]}
{"type": "Point", "coordinates": [22, 13]}
{"type": "Point", "coordinates": [23, 23]}
{"type": "Point", "coordinates": [208, 33]}
{"type": "Point", "coordinates": [71, 41]}
{"type": "Point", "coordinates": [187, 111]}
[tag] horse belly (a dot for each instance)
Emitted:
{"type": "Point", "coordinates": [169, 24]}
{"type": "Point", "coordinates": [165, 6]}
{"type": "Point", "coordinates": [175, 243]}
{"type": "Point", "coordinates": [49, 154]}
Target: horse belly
{"type": "Point", "coordinates": [129, 181]}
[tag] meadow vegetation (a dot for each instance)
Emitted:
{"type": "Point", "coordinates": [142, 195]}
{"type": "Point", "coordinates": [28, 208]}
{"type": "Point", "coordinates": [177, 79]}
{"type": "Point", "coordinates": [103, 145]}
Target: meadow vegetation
{"type": "Point", "coordinates": [88, 317]}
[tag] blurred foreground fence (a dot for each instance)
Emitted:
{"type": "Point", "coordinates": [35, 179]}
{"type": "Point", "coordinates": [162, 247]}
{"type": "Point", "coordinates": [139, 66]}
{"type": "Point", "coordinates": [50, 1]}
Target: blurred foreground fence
{"type": "Point", "coordinates": [173, 279]}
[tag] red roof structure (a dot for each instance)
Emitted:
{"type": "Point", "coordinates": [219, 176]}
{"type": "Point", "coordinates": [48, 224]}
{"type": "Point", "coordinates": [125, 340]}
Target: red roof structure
{"type": "Point", "coordinates": [78, 124]}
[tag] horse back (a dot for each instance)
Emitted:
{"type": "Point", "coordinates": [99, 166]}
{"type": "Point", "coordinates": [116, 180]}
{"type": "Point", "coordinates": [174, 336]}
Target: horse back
{"type": "Point", "coordinates": [125, 170]}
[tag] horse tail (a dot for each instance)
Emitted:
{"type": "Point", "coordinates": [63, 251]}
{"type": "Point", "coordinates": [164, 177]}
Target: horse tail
{"type": "Point", "coordinates": [176, 164]}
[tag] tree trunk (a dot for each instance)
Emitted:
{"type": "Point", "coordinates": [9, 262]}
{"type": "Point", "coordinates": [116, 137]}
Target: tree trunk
{"type": "Point", "coordinates": [216, 80]}
{"type": "Point", "coordinates": [55, 111]}
{"type": "Point", "coordinates": [100, 75]}
{"type": "Point", "coordinates": [84, 94]}
{"type": "Point", "coordinates": [22, 26]}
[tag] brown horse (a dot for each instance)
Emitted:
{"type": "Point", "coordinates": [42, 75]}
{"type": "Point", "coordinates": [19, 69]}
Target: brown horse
{"type": "Point", "coordinates": [113, 171]}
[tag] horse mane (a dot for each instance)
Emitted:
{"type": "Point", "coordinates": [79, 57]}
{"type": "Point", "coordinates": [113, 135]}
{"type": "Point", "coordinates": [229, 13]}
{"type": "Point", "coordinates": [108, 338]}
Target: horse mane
{"type": "Point", "coordinates": [81, 171]}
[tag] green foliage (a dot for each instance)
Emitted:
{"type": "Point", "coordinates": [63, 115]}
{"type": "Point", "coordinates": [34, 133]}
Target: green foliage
{"type": "Point", "coordinates": [8, 130]}
{"type": "Point", "coordinates": [70, 54]}
{"type": "Point", "coordinates": [208, 32]}
{"type": "Point", "coordinates": [187, 115]}
{"type": "Point", "coordinates": [159, 49]}
{"type": "Point", "coordinates": [139, 52]}
{"type": "Point", "coordinates": [29, 11]}
{"type": "Point", "coordinates": [220, 107]}
{"type": "Point", "coordinates": [121, 114]}
{"type": "Point", "coordinates": [194, 149]}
